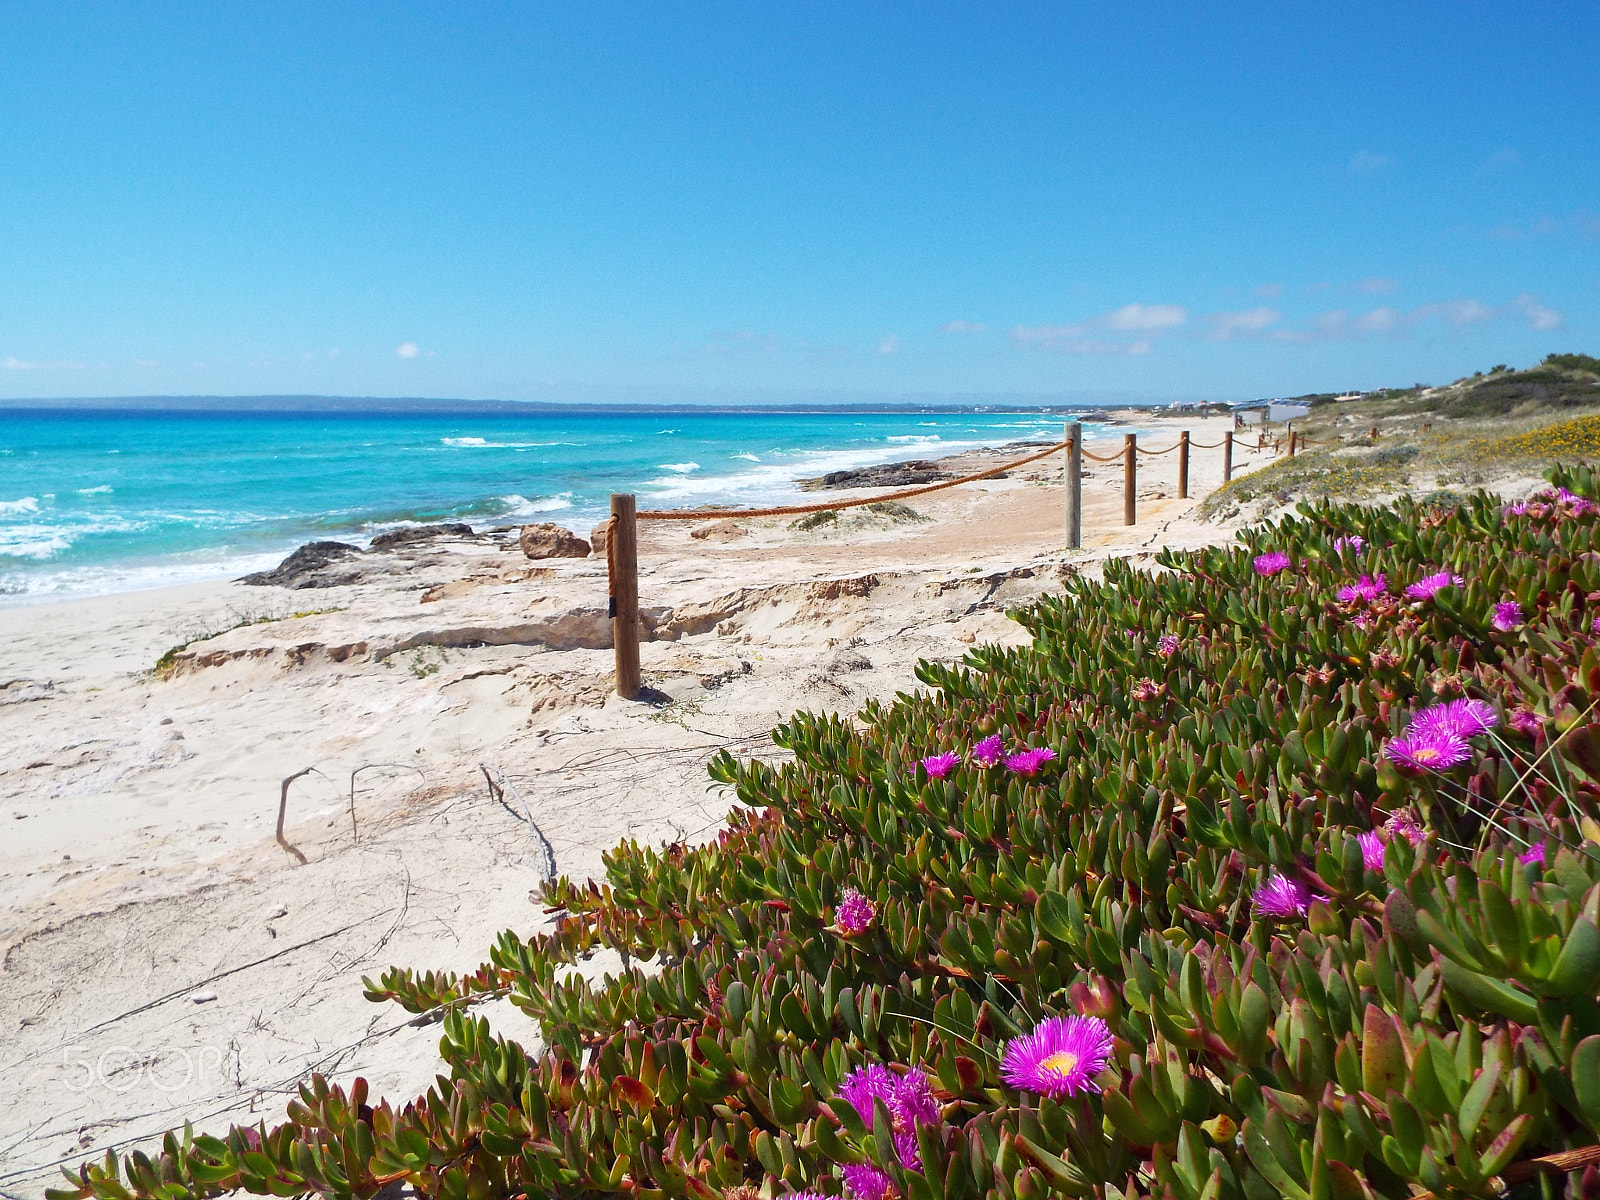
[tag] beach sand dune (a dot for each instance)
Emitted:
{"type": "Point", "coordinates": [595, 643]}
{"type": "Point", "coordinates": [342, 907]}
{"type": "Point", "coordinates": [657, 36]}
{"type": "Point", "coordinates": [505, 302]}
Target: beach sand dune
{"type": "Point", "coordinates": [162, 958]}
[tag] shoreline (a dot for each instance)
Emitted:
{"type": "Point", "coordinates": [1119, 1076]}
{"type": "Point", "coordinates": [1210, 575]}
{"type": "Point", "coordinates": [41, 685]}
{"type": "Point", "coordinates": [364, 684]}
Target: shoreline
{"type": "Point", "coordinates": [141, 867]}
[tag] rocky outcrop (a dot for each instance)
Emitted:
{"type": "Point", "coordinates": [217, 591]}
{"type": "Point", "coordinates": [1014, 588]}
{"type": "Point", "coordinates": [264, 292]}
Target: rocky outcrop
{"type": "Point", "coordinates": [552, 541]}
{"type": "Point", "coordinates": [912, 473]}
{"type": "Point", "coordinates": [314, 565]}
{"type": "Point", "coordinates": [597, 536]}
{"type": "Point", "coordinates": [422, 533]}
{"type": "Point", "coordinates": [719, 531]}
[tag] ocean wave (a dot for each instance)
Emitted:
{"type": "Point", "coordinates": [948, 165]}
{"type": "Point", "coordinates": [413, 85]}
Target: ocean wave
{"type": "Point", "coordinates": [681, 468]}
{"type": "Point", "coordinates": [464, 441]}
{"type": "Point", "coordinates": [23, 542]}
{"type": "Point", "coordinates": [12, 508]}
{"type": "Point", "coordinates": [521, 506]}
{"type": "Point", "coordinates": [105, 489]}
{"type": "Point", "coordinates": [928, 438]}
{"type": "Point", "coordinates": [36, 587]}
{"type": "Point", "coordinates": [745, 455]}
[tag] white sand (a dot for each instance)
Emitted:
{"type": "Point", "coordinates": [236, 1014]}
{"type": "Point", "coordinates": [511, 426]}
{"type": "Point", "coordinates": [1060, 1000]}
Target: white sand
{"type": "Point", "coordinates": [139, 877]}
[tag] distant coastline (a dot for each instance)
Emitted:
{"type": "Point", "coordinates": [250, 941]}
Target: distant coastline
{"type": "Point", "coordinates": [422, 404]}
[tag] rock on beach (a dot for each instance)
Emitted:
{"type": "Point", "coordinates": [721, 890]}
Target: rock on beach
{"type": "Point", "coordinates": [548, 540]}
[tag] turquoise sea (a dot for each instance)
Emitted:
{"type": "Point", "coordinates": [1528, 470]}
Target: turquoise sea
{"type": "Point", "coordinates": [95, 500]}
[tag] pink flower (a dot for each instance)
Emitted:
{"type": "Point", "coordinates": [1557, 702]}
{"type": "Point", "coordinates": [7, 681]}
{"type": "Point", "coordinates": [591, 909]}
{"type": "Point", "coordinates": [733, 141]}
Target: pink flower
{"type": "Point", "coordinates": [939, 765]}
{"type": "Point", "coordinates": [987, 752]}
{"type": "Point", "coordinates": [854, 914]}
{"type": "Point", "coordinates": [1431, 585]}
{"type": "Point", "coordinates": [1518, 509]}
{"type": "Point", "coordinates": [1534, 856]}
{"type": "Point", "coordinates": [1596, 625]}
{"type": "Point", "coordinates": [1146, 690]}
{"type": "Point", "coordinates": [1367, 588]}
{"type": "Point", "coordinates": [1427, 750]}
{"type": "Point", "coordinates": [1281, 896]}
{"type": "Point", "coordinates": [1353, 543]}
{"type": "Point", "coordinates": [1403, 823]}
{"type": "Point", "coordinates": [1464, 718]}
{"type": "Point", "coordinates": [1059, 1058]}
{"type": "Point", "coordinates": [1028, 762]}
{"type": "Point", "coordinates": [908, 1098]}
{"type": "Point", "coordinates": [1526, 722]}
{"type": "Point", "coordinates": [1271, 563]}
{"type": "Point", "coordinates": [863, 1181]}
{"type": "Point", "coordinates": [1168, 645]}
{"type": "Point", "coordinates": [1507, 615]}
{"type": "Point", "coordinates": [1371, 850]}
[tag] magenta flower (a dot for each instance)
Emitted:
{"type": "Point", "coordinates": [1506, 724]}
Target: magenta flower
{"type": "Point", "coordinates": [854, 914]}
{"type": "Point", "coordinates": [987, 752]}
{"type": "Point", "coordinates": [1028, 762]}
{"type": "Point", "coordinates": [908, 1098]}
{"type": "Point", "coordinates": [1464, 718]}
{"type": "Point", "coordinates": [939, 765]}
{"type": "Point", "coordinates": [1403, 823]}
{"type": "Point", "coordinates": [1353, 543]}
{"type": "Point", "coordinates": [1146, 689]}
{"type": "Point", "coordinates": [1431, 585]}
{"type": "Point", "coordinates": [1368, 588]}
{"type": "Point", "coordinates": [1168, 645]}
{"type": "Point", "coordinates": [1371, 850]}
{"type": "Point", "coordinates": [1428, 750]}
{"type": "Point", "coordinates": [863, 1181]}
{"type": "Point", "coordinates": [1534, 856]}
{"type": "Point", "coordinates": [1507, 615]}
{"type": "Point", "coordinates": [1271, 563]}
{"type": "Point", "coordinates": [1281, 896]}
{"type": "Point", "coordinates": [1596, 625]}
{"type": "Point", "coordinates": [1520, 508]}
{"type": "Point", "coordinates": [1526, 722]}
{"type": "Point", "coordinates": [1059, 1058]}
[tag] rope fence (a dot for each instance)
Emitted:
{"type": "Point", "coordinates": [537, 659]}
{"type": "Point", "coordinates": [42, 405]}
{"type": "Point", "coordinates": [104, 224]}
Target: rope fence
{"type": "Point", "coordinates": [622, 545]}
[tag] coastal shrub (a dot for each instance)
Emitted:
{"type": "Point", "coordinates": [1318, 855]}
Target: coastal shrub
{"type": "Point", "coordinates": [1273, 870]}
{"type": "Point", "coordinates": [816, 520]}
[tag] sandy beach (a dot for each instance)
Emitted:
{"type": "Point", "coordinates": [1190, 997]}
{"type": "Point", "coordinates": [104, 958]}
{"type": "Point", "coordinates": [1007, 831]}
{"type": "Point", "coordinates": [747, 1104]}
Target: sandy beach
{"type": "Point", "coordinates": [163, 958]}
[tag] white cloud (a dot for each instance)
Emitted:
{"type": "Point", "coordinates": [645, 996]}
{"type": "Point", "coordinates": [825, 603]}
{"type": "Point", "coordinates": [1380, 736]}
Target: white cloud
{"type": "Point", "coordinates": [1376, 285]}
{"type": "Point", "coordinates": [890, 344]}
{"type": "Point", "coordinates": [1146, 317]}
{"type": "Point", "coordinates": [16, 364]}
{"type": "Point", "coordinates": [1101, 335]}
{"type": "Point", "coordinates": [406, 350]}
{"type": "Point", "coordinates": [962, 327]}
{"type": "Point", "coordinates": [1227, 326]}
{"type": "Point", "coordinates": [1365, 162]}
{"type": "Point", "coordinates": [1537, 315]}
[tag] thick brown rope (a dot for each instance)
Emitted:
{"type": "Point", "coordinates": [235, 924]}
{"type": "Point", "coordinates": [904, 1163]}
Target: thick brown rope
{"type": "Point", "coordinates": [795, 510]}
{"type": "Point", "coordinates": [1206, 445]}
{"type": "Point", "coordinates": [1168, 450]}
{"type": "Point", "coordinates": [1117, 457]}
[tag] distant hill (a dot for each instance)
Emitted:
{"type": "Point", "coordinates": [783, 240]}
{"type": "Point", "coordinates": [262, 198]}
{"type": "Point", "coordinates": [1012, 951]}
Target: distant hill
{"type": "Point", "coordinates": [1561, 381]}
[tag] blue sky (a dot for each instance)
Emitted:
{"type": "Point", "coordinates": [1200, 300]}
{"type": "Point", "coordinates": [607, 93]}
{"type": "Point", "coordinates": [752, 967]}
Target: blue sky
{"type": "Point", "coordinates": [682, 201]}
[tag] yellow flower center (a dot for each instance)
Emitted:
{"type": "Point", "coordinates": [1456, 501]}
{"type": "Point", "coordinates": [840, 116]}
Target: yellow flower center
{"type": "Point", "coordinates": [1061, 1063]}
{"type": "Point", "coordinates": [1425, 754]}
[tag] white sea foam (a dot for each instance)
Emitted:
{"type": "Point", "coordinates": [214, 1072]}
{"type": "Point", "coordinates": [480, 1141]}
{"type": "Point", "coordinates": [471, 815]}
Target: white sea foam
{"type": "Point", "coordinates": [478, 443]}
{"type": "Point", "coordinates": [745, 455]}
{"type": "Point", "coordinates": [101, 580]}
{"type": "Point", "coordinates": [680, 468]}
{"type": "Point", "coordinates": [22, 541]}
{"type": "Point", "coordinates": [926, 438]}
{"type": "Point", "coordinates": [105, 489]}
{"type": "Point", "coordinates": [11, 508]}
{"type": "Point", "coordinates": [521, 506]}
{"type": "Point", "coordinates": [464, 441]}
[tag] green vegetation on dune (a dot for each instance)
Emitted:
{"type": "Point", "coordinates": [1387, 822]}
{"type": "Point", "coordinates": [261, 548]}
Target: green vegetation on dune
{"type": "Point", "coordinates": [1272, 872]}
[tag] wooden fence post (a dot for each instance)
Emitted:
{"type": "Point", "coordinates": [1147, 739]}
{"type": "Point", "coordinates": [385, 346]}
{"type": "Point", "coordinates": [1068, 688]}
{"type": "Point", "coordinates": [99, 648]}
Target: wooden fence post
{"type": "Point", "coordinates": [1291, 441]}
{"type": "Point", "coordinates": [1227, 456]}
{"type": "Point", "coordinates": [622, 553]}
{"type": "Point", "coordinates": [1183, 465]}
{"type": "Point", "coordinates": [1074, 482]}
{"type": "Point", "coordinates": [1130, 477]}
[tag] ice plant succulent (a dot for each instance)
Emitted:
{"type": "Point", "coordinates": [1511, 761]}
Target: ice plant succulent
{"type": "Point", "coordinates": [908, 1099]}
{"type": "Point", "coordinates": [1427, 750]}
{"type": "Point", "coordinates": [1464, 718]}
{"type": "Point", "coordinates": [1507, 615]}
{"type": "Point", "coordinates": [1168, 645]}
{"type": "Point", "coordinates": [854, 914]}
{"type": "Point", "coordinates": [1525, 721]}
{"type": "Point", "coordinates": [939, 765]}
{"type": "Point", "coordinates": [1368, 588]}
{"type": "Point", "coordinates": [863, 1181]}
{"type": "Point", "coordinates": [1371, 850]}
{"type": "Point", "coordinates": [1060, 1058]}
{"type": "Point", "coordinates": [987, 752]}
{"type": "Point", "coordinates": [1028, 762]}
{"type": "Point", "coordinates": [1271, 562]}
{"type": "Point", "coordinates": [1353, 543]}
{"type": "Point", "coordinates": [1533, 856]}
{"type": "Point", "coordinates": [1281, 896]}
{"type": "Point", "coordinates": [1403, 823]}
{"type": "Point", "coordinates": [1431, 585]}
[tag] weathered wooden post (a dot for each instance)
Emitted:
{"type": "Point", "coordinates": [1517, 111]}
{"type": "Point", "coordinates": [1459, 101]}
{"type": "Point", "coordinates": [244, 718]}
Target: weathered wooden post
{"type": "Point", "coordinates": [1074, 482]}
{"type": "Point", "coordinates": [1291, 441]}
{"type": "Point", "coordinates": [622, 554]}
{"type": "Point", "coordinates": [1227, 456]}
{"type": "Point", "coordinates": [1183, 465]}
{"type": "Point", "coordinates": [1130, 477]}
